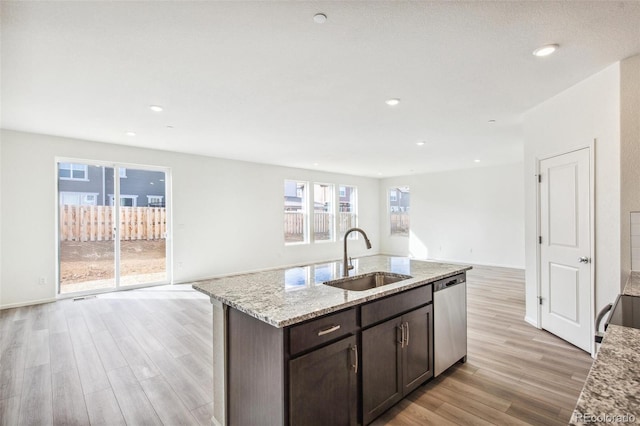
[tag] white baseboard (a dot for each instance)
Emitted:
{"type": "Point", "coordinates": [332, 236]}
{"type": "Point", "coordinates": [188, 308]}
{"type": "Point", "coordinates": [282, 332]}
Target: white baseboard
{"type": "Point", "coordinates": [531, 321]}
{"type": "Point", "coordinates": [32, 302]}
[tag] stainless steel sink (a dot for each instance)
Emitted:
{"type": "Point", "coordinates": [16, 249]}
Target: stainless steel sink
{"type": "Point", "coordinates": [367, 281]}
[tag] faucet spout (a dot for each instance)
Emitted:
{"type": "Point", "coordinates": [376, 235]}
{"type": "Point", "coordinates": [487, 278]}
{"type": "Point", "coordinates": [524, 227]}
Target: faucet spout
{"type": "Point", "coordinates": [346, 260]}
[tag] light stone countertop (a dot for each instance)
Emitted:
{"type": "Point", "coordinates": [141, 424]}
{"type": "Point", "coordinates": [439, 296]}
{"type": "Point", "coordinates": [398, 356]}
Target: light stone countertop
{"type": "Point", "coordinates": [611, 393]}
{"type": "Point", "coordinates": [283, 297]}
{"type": "Point", "coordinates": [632, 288]}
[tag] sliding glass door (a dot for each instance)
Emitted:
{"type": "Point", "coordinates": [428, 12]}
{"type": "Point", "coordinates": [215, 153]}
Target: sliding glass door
{"type": "Point", "coordinates": [113, 225]}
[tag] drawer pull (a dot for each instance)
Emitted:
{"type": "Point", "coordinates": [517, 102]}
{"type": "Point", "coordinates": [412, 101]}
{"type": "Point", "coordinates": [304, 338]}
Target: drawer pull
{"type": "Point", "coordinates": [329, 330]}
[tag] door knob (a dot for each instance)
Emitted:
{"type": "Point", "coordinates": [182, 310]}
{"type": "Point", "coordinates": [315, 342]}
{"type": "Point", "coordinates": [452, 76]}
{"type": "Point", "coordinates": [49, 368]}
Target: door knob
{"type": "Point", "coordinates": [583, 259]}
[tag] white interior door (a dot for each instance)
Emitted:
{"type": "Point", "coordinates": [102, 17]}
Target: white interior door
{"type": "Point", "coordinates": [565, 229]}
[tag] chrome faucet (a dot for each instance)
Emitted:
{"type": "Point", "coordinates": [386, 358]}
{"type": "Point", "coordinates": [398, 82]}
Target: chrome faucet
{"type": "Point", "coordinates": [346, 261]}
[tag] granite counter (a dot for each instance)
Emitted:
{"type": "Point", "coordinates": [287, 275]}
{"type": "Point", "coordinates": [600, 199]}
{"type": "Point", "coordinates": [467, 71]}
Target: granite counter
{"type": "Point", "coordinates": [611, 393]}
{"type": "Point", "coordinates": [283, 297]}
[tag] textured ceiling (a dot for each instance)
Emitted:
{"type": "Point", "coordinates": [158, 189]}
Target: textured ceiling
{"type": "Point", "coordinates": [260, 81]}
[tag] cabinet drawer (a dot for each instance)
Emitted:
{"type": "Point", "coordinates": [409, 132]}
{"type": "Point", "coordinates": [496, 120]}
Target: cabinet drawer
{"type": "Point", "coordinates": [321, 330]}
{"type": "Point", "coordinates": [397, 304]}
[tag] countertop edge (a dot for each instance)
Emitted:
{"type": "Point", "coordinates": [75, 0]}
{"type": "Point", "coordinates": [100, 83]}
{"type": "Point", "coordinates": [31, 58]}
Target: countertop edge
{"type": "Point", "coordinates": [632, 287]}
{"type": "Point", "coordinates": [351, 298]}
{"type": "Point", "coordinates": [302, 318]}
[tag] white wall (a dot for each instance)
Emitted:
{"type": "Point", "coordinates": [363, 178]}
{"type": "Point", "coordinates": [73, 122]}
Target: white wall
{"type": "Point", "coordinates": [573, 119]}
{"type": "Point", "coordinates": [227, 214]}
{"type": "Point", "coordinates": [629, 159]}
{"type": "Point", "coordinates": [471, 216]}
{"type": "Point", "coordinates": [0, 221]}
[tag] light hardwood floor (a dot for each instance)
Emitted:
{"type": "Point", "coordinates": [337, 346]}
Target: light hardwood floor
{"type": "Point", "coordinates": [144, 357]}
{"type": "Point", "coordinates": [515, 374]}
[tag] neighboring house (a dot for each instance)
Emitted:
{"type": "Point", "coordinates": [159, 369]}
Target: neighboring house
{"type": "Point", "coordinates": [294, 196]}
{"type": "Point", "coordinates": [83, 184]}
{"type": "Point", "coordinates": [399, 200]}
{"type": "Point", "coordinates": [347, 198]}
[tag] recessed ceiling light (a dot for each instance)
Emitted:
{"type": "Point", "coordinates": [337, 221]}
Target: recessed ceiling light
{"type": "Point", "coordinates": [545, 50]}
{"type": "Point", "coordinates": [392, 101]}
{"type": "Point", "coordinates": [315, 164]}
{"type": "Point", "coordinates": [492, 121]}
{"type": "Point", "coordinates": [319, 18]}
{"type": "Point", "coordinates": [169, 127]}
{"type": "Point", "coordinates": [156, 108]}
{"type": "Point", "coordinates": [130, 133]}
{"type": "Point", "coordinates": [379, 173]}
{"type": "Point", "coordinates": [420, 143]}
{"type": "Point", "coordinates": [476, 161]}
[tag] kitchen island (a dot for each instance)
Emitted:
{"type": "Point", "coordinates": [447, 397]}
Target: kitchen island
{"type": "Point", "coordinates": [289, 349]}
{"type": "Point", "coordinates": [611, 393]}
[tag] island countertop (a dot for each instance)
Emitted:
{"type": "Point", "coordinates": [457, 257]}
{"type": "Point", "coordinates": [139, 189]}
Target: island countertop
{"type": "Point", "coordinates": [283, 297]}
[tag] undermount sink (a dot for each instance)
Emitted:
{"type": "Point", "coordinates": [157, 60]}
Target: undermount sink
{"type": "Point", "coordinates": [367, 281]}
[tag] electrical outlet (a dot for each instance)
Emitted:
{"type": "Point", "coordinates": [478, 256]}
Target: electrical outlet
{"type": "Point", "coordinates": [180, 265]}
{"type": "Point", "coordinates": [42, 281]}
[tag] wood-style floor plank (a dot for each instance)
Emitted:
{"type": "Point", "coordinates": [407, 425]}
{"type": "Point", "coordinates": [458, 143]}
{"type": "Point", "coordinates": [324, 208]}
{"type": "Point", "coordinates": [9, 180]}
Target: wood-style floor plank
{"type": "Point", "coordinates": [145, 357]}
{"type": "Point", "coordinates": [69, 407]}
{"type": "Point", "coordinates": [103, 409]}
{"type": "Point", "coordinates": [134, 404]}
{"type": "Point", "coordinates": [36, 405]}
{"type": "Point", "coordinates": [166, 402]}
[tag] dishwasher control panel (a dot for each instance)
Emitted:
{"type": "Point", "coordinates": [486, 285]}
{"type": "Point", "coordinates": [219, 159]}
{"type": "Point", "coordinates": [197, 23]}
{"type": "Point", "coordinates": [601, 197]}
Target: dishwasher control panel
{"type": "Point", "coordinates": [448, 282]}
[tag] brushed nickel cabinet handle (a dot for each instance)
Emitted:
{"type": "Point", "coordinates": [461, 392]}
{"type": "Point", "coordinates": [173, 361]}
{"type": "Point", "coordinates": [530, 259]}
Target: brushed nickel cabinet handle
{"type": "Point", "coordinates": [407, 325]}
{"type": "Point", "coordinates": [401, 328]}
{"type": "Point", "coordinates": [329, 330]}
{"type": "Point", "coordinates": [354, 348]}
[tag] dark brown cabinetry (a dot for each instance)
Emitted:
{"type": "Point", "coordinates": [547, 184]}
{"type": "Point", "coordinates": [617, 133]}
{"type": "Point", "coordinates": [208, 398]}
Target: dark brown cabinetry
{"type": "Point", "coordinates": [344, 368]}
{"type": "Point", "coordinates": [397, 357]}
{"type": "Point", "coordinates": [323, 385]}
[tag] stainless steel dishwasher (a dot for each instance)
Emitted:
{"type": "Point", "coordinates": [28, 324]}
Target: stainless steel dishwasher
{"type": "Point", "coordinates": [449, 322]}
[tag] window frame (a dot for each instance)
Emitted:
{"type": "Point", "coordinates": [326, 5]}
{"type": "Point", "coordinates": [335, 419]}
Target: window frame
{"type": "Point", "coordinates": [397, 190]}
{"type": "Point", "coordinates": [354, 202]}
{"type": "Point", "coordinates": [83, 167]}
{"type": "Point", "coordinates": [332, 212]}
{"type": "Point", "coordinates": [304, 205]}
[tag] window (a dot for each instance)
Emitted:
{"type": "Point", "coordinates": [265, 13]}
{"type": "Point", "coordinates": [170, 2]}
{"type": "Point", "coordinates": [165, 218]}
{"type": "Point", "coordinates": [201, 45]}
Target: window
{"type": "Point", "coordinates": [399, 211]}
{"type": "Point", "coordinates": [155, 201]}
{"type": "Point", "coordinates": [316, 216]}
{"type": "Point", "coordinates": [348, 217]}
{"type": "Point", "coordinates": [78, 198]}
{"type": "Point", "coordinates": [72, 171]}
{"type": "Point", "coordinates": [122, 172]}
{"type": "Point", "coordinates": [125, 200]}
{"type": "Point", "coordinates": [323, 212]}
{"type": "Point", "coordinates": [295, 212]}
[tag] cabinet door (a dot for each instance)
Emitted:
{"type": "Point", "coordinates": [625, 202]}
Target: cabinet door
{"type": "Point", "coordinates": [417, 362]}
{"type": "Point", "coordinates": [323, 385]}
{"type": "Point", "coordinates": [381, 369]}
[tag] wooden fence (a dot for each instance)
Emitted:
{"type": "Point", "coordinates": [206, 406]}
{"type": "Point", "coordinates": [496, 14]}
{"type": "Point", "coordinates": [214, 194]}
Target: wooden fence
{"type": "Point", "coordinates": [322, 225]}
{"type": "Point", "coordinates": [399, 223]}
{"type": "Point", "coordinates": [96, 223]}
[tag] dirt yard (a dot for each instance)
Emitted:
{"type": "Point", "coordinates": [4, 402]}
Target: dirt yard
{"type": "Point", "coordinates": [93, 260]}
